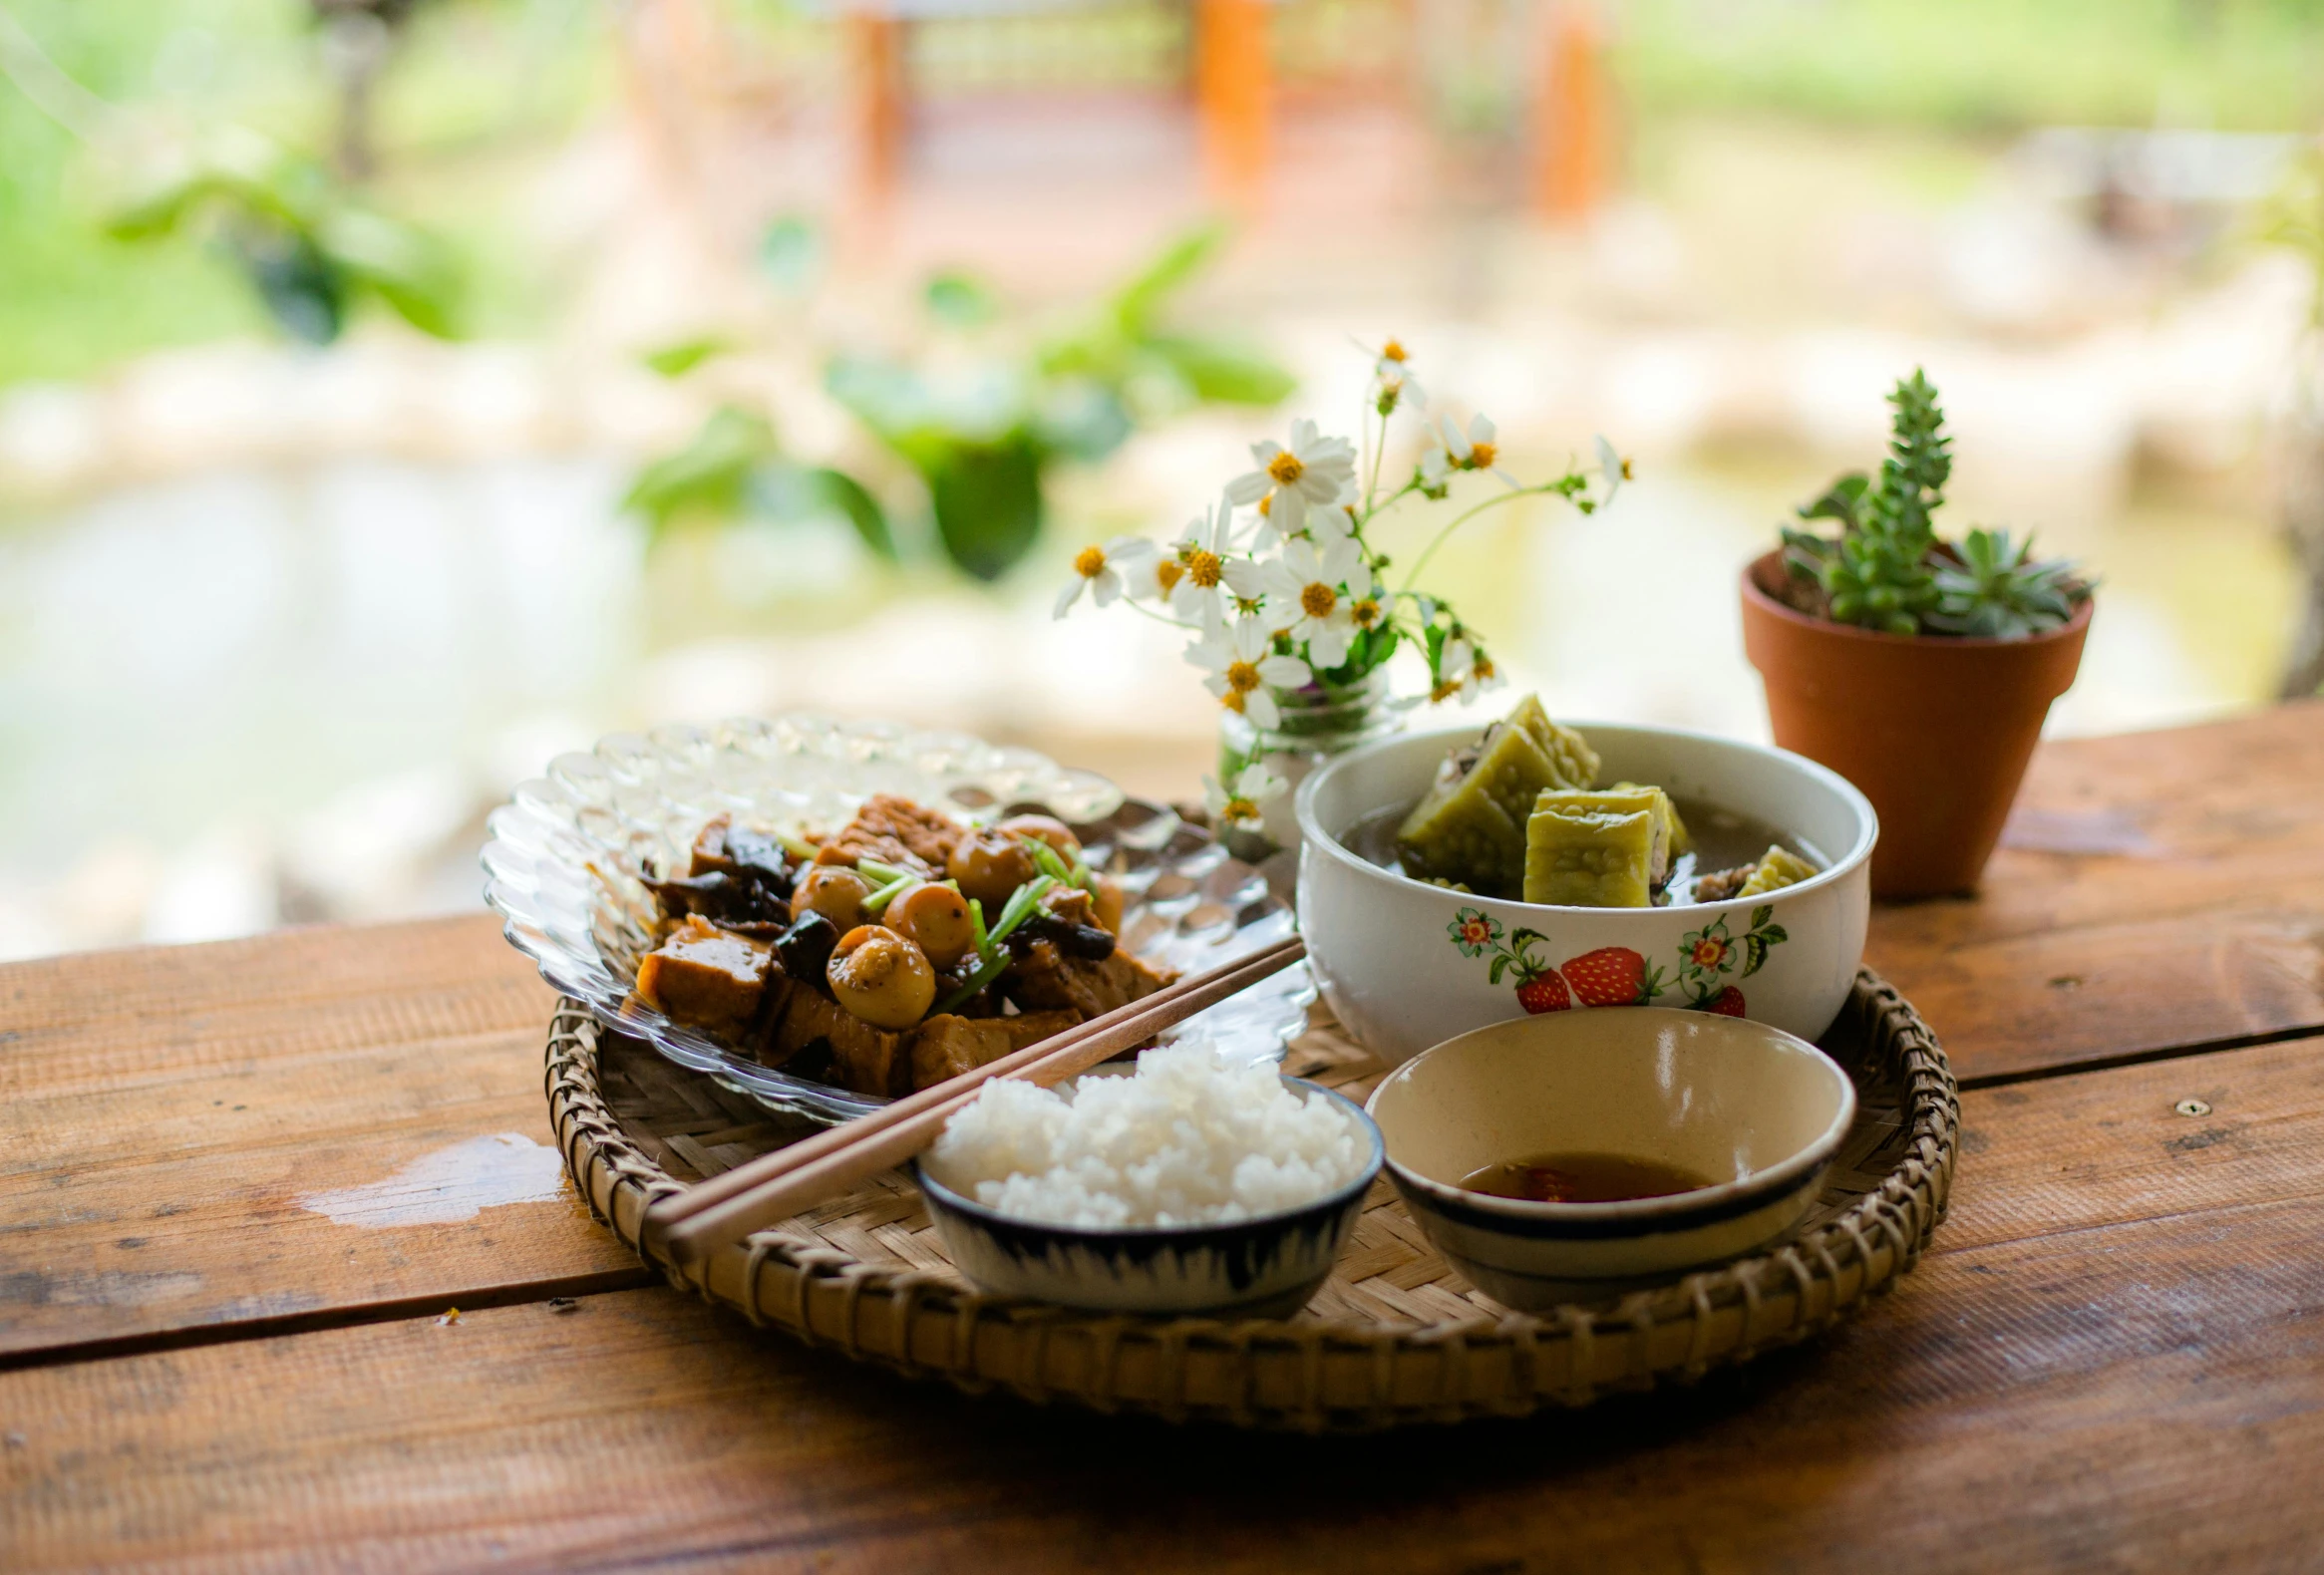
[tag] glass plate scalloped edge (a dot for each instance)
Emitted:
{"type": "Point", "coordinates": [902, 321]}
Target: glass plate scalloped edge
{"type": "Point", "coordinates": [565, 858]}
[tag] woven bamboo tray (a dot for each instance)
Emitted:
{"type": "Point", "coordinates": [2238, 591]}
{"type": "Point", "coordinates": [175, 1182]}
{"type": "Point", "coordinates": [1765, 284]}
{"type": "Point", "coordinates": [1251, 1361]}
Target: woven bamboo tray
{"type": "Point", "coordinates": [1396, 1336]}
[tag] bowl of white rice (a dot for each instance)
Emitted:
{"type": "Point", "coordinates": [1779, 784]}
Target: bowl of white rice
{"type": "Point", "coordinates": [1189, 1184]}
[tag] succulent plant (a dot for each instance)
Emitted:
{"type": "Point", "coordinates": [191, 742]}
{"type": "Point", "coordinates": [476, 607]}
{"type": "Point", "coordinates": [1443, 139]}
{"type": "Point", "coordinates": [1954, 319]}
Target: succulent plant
{"type": "Point", "coordinates": [1888, 570]}
{"type": "Point", "coordinates": [1999, 593]}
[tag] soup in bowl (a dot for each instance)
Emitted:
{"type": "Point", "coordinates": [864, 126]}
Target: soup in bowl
{"type": "Point", "coordinates": [1408, 962]}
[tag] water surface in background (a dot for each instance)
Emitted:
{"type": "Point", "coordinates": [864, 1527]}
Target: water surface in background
{"type": "Point", "coordinates": [239, 698]}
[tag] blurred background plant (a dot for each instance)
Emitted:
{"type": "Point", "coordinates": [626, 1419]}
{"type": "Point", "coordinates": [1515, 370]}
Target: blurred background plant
{"type": "Point", "coordinates": [982, 415]}
{"type": "Point", "coordinates": [293, 589]}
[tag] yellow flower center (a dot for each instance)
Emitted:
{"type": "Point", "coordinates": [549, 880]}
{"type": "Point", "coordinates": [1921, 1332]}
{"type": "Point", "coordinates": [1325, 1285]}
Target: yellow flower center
{"type": "Point", "coordinates": [1241, 679]}
{"type": "Point", "coordinates": [1443, 693]}
{"type": "Point", "coordinates": [1168, 573]}
{"type": "Point", "coordinates": [1232, 700]}
{"type": "Point", "coordinates": [1089, 562]}
{"type": "Point", "coordinates": [1266, 505]}
{"type": "Point", "coordinates": [1482, 668]}
{"type": "Point", "coordinates": [1392, 351]}
{"type": "Point", "coordinates": [1286, 468]}
{"type": "Point", "coordinates": [1366, 613]}
{"type": "Point", "coordinates": [1481, 455]}
{"type": "Point", "coordinates": [1626, 476]}
{"type": "Point", "coordinates": [1204, 569]}
{"type": "Point", "coordinates": [1317, 600]}
{"type": "Point", "coordinates": [1239, 809]}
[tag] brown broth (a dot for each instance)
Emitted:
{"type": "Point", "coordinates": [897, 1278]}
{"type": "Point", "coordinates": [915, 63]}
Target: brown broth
{"type": "Point", "coordinates": [1583, 1179]}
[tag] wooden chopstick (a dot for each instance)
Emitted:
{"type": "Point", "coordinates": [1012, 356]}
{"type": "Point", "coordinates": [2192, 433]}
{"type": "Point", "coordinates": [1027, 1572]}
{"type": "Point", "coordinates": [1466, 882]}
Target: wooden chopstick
{"type": "Point", "coordinates": [727, 1207]}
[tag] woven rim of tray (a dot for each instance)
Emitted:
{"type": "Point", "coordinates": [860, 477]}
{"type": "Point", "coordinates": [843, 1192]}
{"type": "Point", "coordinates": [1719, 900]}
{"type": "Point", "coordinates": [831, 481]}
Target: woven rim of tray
{"type": "Point", "coordinates": [1311, 1374]}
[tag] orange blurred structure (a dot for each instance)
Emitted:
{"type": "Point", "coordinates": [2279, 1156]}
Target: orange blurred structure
{"type": "Point", "coordinates": [1570, 113]}
{"type": "Point", "coordinates": [1233, 87]}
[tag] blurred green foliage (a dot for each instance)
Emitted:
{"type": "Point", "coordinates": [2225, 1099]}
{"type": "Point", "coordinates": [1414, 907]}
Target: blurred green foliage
{"type": "Point", "coordinates": [477, 91]}
{"type": "Point", "coordinates": [1983, 65]}
{"type": "Point", "coordinates": [982, 419]}
{"type": "Point", "coordinates": [308, 247]}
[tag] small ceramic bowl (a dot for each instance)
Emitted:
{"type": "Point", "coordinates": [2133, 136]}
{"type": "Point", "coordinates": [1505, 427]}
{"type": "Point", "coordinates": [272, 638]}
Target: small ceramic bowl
{"type": "Point", "coordinates": [1266, 1267]}
{"type": "Point", "coordinates": [1406, 964]}
{"type": "Point", "coordinates": [1758, 1110]}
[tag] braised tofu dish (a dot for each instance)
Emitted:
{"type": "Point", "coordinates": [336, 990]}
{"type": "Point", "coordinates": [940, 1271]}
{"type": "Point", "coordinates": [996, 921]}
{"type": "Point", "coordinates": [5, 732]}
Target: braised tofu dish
{"type": "Point", "coordinates": [901, 949]}
{"type": "Point", "coordinates": [1520, 815]}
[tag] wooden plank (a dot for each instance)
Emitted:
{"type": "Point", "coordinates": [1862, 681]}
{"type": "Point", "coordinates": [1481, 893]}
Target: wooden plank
{"type": "Point", "coordinates": [206, 1135]}
{"type": "Point", "coordinates": [2112, 1359]}
{"type": "Point", "coordinates": [2156, 890]}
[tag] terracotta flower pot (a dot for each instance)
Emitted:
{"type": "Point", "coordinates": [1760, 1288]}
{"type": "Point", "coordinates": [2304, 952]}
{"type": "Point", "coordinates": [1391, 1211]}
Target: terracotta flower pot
{"type": "Point", "coordinates": [1936, 731]}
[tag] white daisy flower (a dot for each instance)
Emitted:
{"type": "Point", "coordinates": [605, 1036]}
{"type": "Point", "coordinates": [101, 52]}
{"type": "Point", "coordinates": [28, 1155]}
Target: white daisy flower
{"type": "Point", "coordinates": [1098, 571]}
{"type": "Point", "coordinates": [1335, 523]}
{"type": "Point", "coordinates": [1241, 661]}
{"type": "Point", "coordinates": [1314, 469]}
{"type": "Point", "coordinates": [1473, 450]}
{"type": "Point", "coordinates": [1465, 673]}
{"type": "Point", "coordinates": [1393, 383]}
{"type": "Point", "coordinates": [1615, 469]}
{"type": "Point", "coordinates": [1202, 571]}
{"type": "Point", "coordinates": [1311, 592]}
{"type": "Point", "coordinates": [1242, 803]}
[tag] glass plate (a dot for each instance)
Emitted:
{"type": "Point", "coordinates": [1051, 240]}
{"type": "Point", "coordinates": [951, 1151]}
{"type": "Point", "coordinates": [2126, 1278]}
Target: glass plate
{"type": "Point", "coordinates": [566, 856]}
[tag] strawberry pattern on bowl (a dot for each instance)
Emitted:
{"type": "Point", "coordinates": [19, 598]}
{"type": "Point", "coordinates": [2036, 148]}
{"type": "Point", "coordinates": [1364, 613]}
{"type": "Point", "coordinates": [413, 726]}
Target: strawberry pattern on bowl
{"type": "Point", "coordinates": [1618, 975]}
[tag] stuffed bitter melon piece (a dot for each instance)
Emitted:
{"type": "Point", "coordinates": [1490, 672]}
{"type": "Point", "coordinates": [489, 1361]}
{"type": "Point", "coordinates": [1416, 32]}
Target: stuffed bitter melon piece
{"type": "Point", "coordinates": [1471, 825]}
{"type": "Point", "coordinates": [1461, 834]}
{"type": "Point", "coordinates": [1680, 841]}
{"type": "Point", "coordinates": [1627, 798]}
{"type": "Point", "coordinates": [1585, 858]}
{"type": "Point", "coordinates": [1570, 756]}
{"type": "Point", "coordinates": [1776, 869]}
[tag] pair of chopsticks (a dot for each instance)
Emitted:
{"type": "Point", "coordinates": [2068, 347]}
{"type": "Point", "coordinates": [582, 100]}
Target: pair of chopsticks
{"type": "Point", "coordinates": [727, 1207]}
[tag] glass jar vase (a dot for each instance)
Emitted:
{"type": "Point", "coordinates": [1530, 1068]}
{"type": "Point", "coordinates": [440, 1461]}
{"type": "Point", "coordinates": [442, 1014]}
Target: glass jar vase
{"type": "Point", "coordinates": [1317, 723]}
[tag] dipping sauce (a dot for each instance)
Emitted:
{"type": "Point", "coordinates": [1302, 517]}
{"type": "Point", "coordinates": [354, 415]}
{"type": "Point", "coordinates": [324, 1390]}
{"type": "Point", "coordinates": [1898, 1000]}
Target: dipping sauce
{"type": "Point", "coordinates": [1582, 1178]}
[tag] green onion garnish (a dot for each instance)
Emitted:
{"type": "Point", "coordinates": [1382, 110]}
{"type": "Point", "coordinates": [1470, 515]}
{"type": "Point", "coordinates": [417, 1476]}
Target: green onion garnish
{"type": "Point", "coordinates": [977, 926]}
{"type": "Point", "coordinates": [877, 902]}
{"type": "Point", "coordinates": [1020, 906]}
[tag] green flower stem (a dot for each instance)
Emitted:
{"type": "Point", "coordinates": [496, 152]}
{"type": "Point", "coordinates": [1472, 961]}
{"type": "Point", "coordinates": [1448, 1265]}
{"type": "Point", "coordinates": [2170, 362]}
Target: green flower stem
{"type": "Point", "coordinates": [1412, 576]}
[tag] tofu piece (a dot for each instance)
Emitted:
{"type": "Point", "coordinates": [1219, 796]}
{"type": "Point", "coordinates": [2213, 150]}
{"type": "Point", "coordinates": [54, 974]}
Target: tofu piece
{"type": "Point", "coordinates": [1776, 869]}
{"type": "Point", "coordinates": [898, 832]}
{"type": "Point", "coordinates": [946, 1045]}
{"type": "Point", "coordinates": [705, 976]}
{"type": "Point", "coordinates": [864, 1058]}
{"type": "Point", "coordinates": [1624, 800]}
{"type": "Point", "coordinates": [1590, 858]}
{"type": "Point", "coordinates": [1044, 979]}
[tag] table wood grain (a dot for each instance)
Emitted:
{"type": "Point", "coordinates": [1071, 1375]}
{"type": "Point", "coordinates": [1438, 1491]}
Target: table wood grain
{"type": "Point", "coordinates": [2113, 1358]}
{"type": "Point", "coordinates": [174, 1123]}
{"type": "Point", "coordinates": [229, 1222]}
{"type": "Point", "coordinates": [2156, 891]}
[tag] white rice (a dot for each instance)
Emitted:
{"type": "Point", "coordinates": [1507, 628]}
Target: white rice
{"type": "Point", "coordinates": [1184, 1140]}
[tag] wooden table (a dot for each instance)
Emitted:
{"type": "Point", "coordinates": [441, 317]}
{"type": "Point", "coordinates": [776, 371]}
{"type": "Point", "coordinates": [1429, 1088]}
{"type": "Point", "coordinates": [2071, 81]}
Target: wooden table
{"type": "Point", "coordinates": [224, 1333]}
